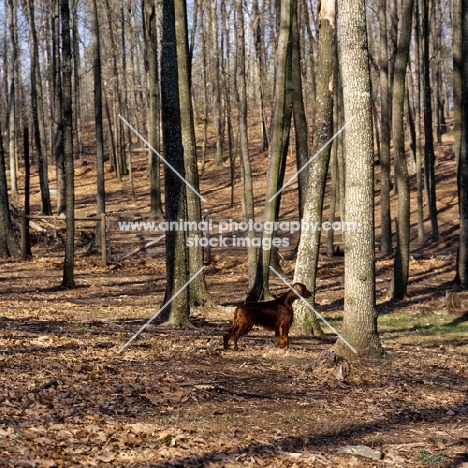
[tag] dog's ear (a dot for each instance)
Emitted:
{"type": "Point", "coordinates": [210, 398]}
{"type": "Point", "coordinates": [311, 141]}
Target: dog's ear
{"type": "Point", "coordinates": [299, 287]}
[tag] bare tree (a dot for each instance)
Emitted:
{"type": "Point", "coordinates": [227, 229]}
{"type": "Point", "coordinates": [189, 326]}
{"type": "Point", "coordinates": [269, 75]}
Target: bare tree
{"type": "Point", "coordinates": [360, 317]}
{"type": "Point", "coordinates": [177, 313]}
{"type": "Point", "coordinates": [11, 19]}
{"type": "Point", "coordinates": [199, 294]}
{"type": "Point", "coordinates": [280, 126]}
{"type": "Point", "coordinates": [401, 265]}
{"type": "Point", "coordinates": [68, 281]}
{"type": "Point", "coordinates": [241, 97]}
{"type": "Point", "coordinates": [429, 176]}
{"type": "Point", "coordinates": [97, 74]}
{"type": "Point", "coordinates": [385, 126]}
{"type": "Point", "coordinates": [8, 244]}
{"type": "Point", "coordinates": [154, 103]}
{"type": "Point", "coordinates": [37, 108]}
{"type": "Point", "coordinates": [309, 245]}
{"type": "Point", "coordinates": [461, 8]}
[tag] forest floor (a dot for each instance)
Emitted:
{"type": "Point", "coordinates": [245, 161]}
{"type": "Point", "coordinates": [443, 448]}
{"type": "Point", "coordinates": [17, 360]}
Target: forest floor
{"type": "Point", "coordinates": [174, 397]}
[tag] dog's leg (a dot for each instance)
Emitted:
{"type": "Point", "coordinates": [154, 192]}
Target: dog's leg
{"type": "Point", "coordinates": [283, 340]}
{"type": "Point", "coordinates": [241, 331]}
{"type": "Point", "coordinates": [226, 339]}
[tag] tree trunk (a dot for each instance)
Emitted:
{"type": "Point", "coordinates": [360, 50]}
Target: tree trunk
{"type": "Point", "coordinates": [97, 73]}
{"type": "Point", "coordinates": [198, 292]}
{"type": "Point", "coordinates": [401, 264]}
{"type": "Point", "coordinates": [8, 244]}
{"type": "Point", "coordinates": [177, 312]}
{"type": "Point", "coordinates": [259, 55]}
{"type": "Point", "coordinates": [68, 281]}
{"type": "Point", "coordinates": [154, 102]}
{"type": "Point", "coordinates": [462, 258]}
{"type": "Point", "coordinates": [247, 182]}
{"type": "Point", "coordinates": [360, 317]}
{"type": "Point", "coordinates": [429, 177]}
{"type": "Point", "coordinates": [38, 110]}
{"type": "Point", "coordinates": [217, 109]}
{"type": "Point", "coordinates": [309, 245]}
{"type": "Point", "coordinates": [457, 75]}
{"type": "Point", "coordinates": [77, 118]}
{"type": "Point", "coordinates": [385, 125]}
{"type": "Point", "coordinates": [58, 100]}
{"type": "Point", "coordinates": [417, 79]}
{"type": "Point", "coordinates": [300, 121]}
{"type": "Point", "coordinates": [280, 130]}
{"type": "Point", "coordinates": [12, 104]}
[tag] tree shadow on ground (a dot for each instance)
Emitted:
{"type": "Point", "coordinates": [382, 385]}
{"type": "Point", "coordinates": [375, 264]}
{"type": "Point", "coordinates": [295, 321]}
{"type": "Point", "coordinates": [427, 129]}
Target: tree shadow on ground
{"type": "Point", "coordinates": [334, 439]}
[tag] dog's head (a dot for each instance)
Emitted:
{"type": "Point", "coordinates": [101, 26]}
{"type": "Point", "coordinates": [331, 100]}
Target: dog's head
{"type": "Point", "coordinates": [302, 290]}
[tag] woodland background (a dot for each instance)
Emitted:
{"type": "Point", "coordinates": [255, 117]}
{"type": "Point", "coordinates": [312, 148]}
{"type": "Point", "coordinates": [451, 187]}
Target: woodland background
{"type": "Point", "coordinates": [174, 397]}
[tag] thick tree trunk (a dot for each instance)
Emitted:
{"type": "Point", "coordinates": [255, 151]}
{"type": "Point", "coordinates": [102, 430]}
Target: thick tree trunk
{"type": "Point", "coordinates": [360, 317]}
{"type": "Point", "coordinates": [198, 293]}
{"type": "Point", "coordinates": [462, 258]}
{"type": "Point", "coordinates": [309, 246]}
{"type": "Point", "coordinates": [154, 102]}
{"type": "Point", "coordinates": [177, 312]}
{"type": "Point", "coordinates": [401, 265]}
{"type": "Point", "coordinates": [68, 281]}
{"type": "Point", "coordinates": [457, 75]}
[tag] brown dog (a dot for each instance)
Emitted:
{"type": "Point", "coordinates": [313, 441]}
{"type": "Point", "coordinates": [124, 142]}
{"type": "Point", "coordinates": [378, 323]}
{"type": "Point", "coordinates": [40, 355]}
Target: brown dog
{"type": "Point", "coordinates": [274, 315]}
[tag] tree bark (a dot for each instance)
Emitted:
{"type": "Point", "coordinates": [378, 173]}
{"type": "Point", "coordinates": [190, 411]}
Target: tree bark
{"type": "Point", "coordinates": [457, 75]}
{"type": "Point", "coordinates": [300, 121]}
{"type": "Point", "coordinates": [154, 102]}
{"type": "Point", "coordinates": [8, 244]}
{"type": "Point", "coordinates": [280, 123]}
{"type": "Point", "coordinates": [58, 102]}
{"type": "Point", "coordinates": [360, 317]}
{"type": "Point", "coordinates": [217, 106]}
{"type": "Point", "coordinates": [417, 79]}
{"type": "Point", "coordinates": [98, 125]}
{"type": "Point", "coordinates": [68, 281]}
{"type": "Point", "coordinates": [385, 126]}
{"type": "Point", "coordinates": [246, 172]}
{"type": "Point", "coordinates": [462, 257]}
{"type": "Point", "coordinates": [401, 264]}
{"type": "Point", "coordinates": [198, 292]}
{"type": "Point", "coordinates": [429, 177]}
{"type": "Point", "coordinates": [11, 19]}
{"type": "Point", "coordinates": [37, 109]}
{"type": "Point", "coordinates": [177, 312]}
{"type": "Point", "coordinates": [309, 245]}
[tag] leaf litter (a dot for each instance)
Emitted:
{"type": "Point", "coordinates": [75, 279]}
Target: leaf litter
{"type": "Point", "coordinates": [176, 398]}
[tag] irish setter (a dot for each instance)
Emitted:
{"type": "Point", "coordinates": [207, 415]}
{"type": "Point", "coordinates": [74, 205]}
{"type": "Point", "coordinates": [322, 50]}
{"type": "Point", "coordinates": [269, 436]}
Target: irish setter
{"type": "Point", "coordinates": [276, 315]}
